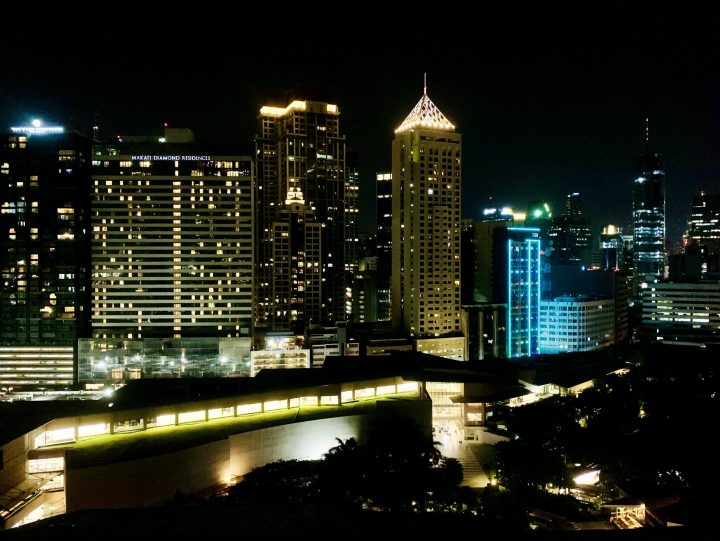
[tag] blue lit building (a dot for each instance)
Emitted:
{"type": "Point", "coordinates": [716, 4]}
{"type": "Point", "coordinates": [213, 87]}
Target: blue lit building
{"type": "Point", "coordinates": [649, 220]}
{"type": "Point", "coordinates": [576, 323]}
{"type": "Point", "coordinates": [517, 280]}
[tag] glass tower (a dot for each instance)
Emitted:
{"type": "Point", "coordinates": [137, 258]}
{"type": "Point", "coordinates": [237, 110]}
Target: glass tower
{"type": "Point", "coordinates": [705, 221]}
{"type": "Point", "coordinates": [649, 219]}
{"type": "Point", "coordinates": [44, 223]}
{"type": "Point", "coordinates": [518, 283]}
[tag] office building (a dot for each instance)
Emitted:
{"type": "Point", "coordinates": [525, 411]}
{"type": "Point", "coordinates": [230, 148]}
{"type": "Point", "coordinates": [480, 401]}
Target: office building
{"type": "Point", "coordinates": [612, 248]}
{"type": "Point", "coordinates": [576, 323]}
{"type": "Point", "coordinates": [365, 291]}
{"type": "Point", "coordinates": [172, 256]}
{"type": "Point", "coordinates": [607, 285]}
{"type": "Point", "coordinates": [491, 218]}
{"type": "Point", "coordinates": [517, 283]}
{"type": "Point", "coordinates": [681, 313]}
{"type": "Point", "coordinates": [45, 262]}
{"type": "Point", "coordinates": [485, 325]}
{"type": "Point", "coordinates": [704, 222]}
{"type": "Point", "coordinates": [569, 235]}
{"type": "Point", "coordinates": [649, 220]}
{"type": "Point", "coordinates": [306, 217]}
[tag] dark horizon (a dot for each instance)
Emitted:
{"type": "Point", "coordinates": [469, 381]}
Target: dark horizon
{"type": "Point", "coordinates": [545, 108]}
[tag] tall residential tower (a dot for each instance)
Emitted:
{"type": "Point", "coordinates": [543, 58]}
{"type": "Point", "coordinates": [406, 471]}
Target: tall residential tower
{"type": "Point", "coordinates": [44, 224]}
{"type": "Point", "coordinates": [172, 259]}
{"type": "Point", "coordinates": [426, 159]}
{"type": "Point", "coordinates": [306, 217]}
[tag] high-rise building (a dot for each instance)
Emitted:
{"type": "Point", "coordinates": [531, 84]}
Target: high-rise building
{"type": "Point", "coordinates": [705, 221]}
{"type": "Point", "coordinates": [569, 235]}
{"type": "Point", "coordinates": [426, 241]}
{"type": "Point", "coordinates": [306, 216]}
{"type": "Point", "coordinates": [383, 217]}
{"type": "Point", "coordinates": [426, 157]}
{"type": "Point", "coordinates": [365, 291]}
{"type": "Point", "coordinates": [44, 224]}
{"type": "Point", "coordinates": [649, 220]}
{"type": "Point", "coordinates": [352, 235]}
{"type": "Point", "coordinates": [484, 253]}
{"type": "Point", "coordinates": [517, 283]}
{"type": "Point", "coordinates": [612, 247]}
{"type": "Point", "coordinates": [468, 254]}
{"type": "Point", "coordinates": [172, 258]}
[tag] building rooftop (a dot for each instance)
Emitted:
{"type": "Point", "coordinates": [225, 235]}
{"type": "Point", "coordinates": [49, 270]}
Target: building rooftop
{"type": "Point", "coordinates": [569, 369]}
{"type": "Point", "coordinates": [425, 114]}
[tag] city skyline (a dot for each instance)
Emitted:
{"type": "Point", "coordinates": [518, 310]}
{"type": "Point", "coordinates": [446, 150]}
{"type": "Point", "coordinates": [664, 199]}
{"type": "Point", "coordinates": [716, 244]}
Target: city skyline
{"type": "Point", "coordinates": [546, 108]}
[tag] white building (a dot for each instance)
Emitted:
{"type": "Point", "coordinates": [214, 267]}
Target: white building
{"type": "Point", "coordinates": [576, 324]}
{"type": "Point", "coordinates": [682, 313]}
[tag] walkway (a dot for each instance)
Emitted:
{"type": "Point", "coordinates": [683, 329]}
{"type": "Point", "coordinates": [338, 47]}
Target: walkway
{"type": "Point", "coordinates": [472, 454]}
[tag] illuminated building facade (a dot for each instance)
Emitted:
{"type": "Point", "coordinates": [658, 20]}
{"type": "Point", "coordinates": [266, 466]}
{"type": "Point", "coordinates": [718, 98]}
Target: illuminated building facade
{"type": "Point", "coordinates": [574, 323]}
{"type": "Point", "coordinates": [276, 359]}
{"type": "Point", "coordinates": [649, 220]}
{"type": "Point", "coordinates": [681, 313]}
{"type": "Point", "coordinates": [426, 177]}
{"type": "Point", "coordinates": [426, 241]}
{"type": "Point", "coordinates": [612, 247]}
{"type": "Point", "coordinates": [383, 216]}
{"type": "Point", "coordinates": [705, 221]}
{"type": "Point", "coordinates": [518, 284]}
{"type": "Point", "coordinates": [53, 461]}
{"type": "Point", "coordinates": [307, 213]}
{"type": "Point", "coordinates": [365, 291]}
{"type": "Point", "coordinates": [351, 242]}
{"type": "Point", "coordinates": [172, 245]}
{"type": "Point", "coordinates": [569, 235]}
{"type": "Point", "coordinates": [484, 253]}
{"type": "Point", "coordinates": [44, 224]}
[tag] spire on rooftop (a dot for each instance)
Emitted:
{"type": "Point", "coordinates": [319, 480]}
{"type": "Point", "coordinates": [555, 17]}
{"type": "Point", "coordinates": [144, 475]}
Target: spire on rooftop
{"type": "Point", "coordinates": [425, 114]}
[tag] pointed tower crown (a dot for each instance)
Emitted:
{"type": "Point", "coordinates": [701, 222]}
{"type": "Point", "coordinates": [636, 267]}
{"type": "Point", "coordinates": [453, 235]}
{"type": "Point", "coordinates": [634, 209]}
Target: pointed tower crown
{"type": "Point", "coordinates": [425, 114]}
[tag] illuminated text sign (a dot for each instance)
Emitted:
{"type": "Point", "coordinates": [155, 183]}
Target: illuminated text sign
{"type": "Point", "coordinates": [168, 158]}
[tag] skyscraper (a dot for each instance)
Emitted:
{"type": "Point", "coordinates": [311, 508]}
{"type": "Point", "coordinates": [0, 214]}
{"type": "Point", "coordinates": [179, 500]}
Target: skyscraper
{"type": "Point", "coordinates": [705, 221]}
{"type": "Point", "coordinates": [426, 158]}
{"type": "Point", "coordinates": [306, 211]}
{"type": "Point", "coordinates": [518, 283]}
{"type": "Point", "coordinates": [484, 253]}
{"type": "Point", "coordinates": [383, 217]}
{"type": "Point", "coordinates": [570, 235]}
{"type": "Point", "coordinates": [612, 247]}
{"type": "Point", "coordinates": [172, 258]}
{"type": "Point", "coordinates": [44, 223]}
{"type": "Point", "coordinates": [649, 219]}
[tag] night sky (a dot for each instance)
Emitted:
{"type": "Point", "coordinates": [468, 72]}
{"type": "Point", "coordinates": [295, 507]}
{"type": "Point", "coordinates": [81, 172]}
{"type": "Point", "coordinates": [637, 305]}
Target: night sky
{"type": "Point", "coordinates": [548, 102]}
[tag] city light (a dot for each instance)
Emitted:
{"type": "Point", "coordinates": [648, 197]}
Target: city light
{"type": "Point", "coordinates": [37, 128]}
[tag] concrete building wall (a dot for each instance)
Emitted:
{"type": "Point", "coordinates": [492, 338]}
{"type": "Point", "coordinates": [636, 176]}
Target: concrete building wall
{"type": "Point", "coordinates": [301, 441]}
{"type": "Point", "coordinates": [146, 481]}
{"type": "Point", "coordinates": [152, 480]}
{"type": "Point", "coordinates": [12, 467]}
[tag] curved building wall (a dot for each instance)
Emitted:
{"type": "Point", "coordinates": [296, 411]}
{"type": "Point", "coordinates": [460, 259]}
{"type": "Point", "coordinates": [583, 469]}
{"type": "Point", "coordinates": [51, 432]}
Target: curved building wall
{"type": "Point", "coordinates": [152, 480]}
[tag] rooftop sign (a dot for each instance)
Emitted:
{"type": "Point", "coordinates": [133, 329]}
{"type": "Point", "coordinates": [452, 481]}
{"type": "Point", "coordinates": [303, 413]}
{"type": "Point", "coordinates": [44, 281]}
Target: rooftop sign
{"type": "Point", "coordinates": [37, 128]}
